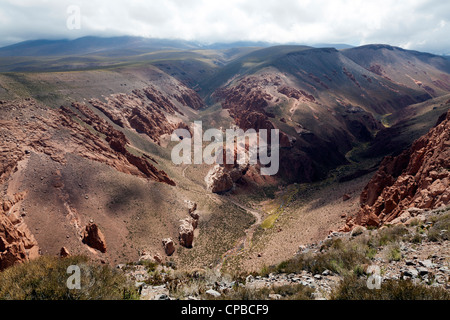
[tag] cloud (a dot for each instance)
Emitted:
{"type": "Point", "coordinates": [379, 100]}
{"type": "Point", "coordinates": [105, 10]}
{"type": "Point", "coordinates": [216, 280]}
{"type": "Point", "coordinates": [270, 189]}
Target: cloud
{"type": "Point", "coordinates": [413, 24]}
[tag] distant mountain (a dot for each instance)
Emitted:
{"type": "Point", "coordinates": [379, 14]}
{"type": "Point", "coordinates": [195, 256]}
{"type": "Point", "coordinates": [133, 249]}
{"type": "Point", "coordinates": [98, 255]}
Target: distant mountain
{"type": "Point", "coordinates": [94, 45]}
{"type": "Point", "coordinates": [338, 46]}
{"type": "Point", "coordinates": [125, 46]}
{"type": "Point", "coordinates": [414, 69]}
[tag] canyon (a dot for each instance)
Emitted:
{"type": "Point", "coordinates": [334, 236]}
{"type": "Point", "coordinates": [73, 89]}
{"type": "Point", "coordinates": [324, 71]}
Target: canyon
{"type": "Point", "coordinates": [86, 164]}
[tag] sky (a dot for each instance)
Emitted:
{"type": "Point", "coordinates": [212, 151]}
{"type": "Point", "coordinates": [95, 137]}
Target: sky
{"type": "Point", "coordinates": [411, 24]}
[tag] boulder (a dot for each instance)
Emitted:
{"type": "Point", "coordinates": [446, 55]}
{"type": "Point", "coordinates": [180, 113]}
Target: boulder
{"type": "Point", "coordinates": [169, 246]}
{"type": "Point", "coordinates": [186, 234]}
{"type": "Point", "coordinates": [64, 253]}
{"type": "Point", "coordinates": [94, 238]}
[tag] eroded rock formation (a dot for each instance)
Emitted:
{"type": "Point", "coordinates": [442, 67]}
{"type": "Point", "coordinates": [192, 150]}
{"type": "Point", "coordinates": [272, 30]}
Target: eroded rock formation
{"type": "Point", "coordinates": [147, 110]}
{"type": "Point", "coordinates": [94, 238]}
{"type": "Point", "coordinates": [17, 243]}
{"type": "Point", "coordinates": [419, 177]}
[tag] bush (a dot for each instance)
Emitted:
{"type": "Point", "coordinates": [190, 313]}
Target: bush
{"type": "Point", "coordinates": [337, 256]}
{"type": "Point", "coordinates": [441, 228]}
{"type": "Point", "coordinates": [46, 279]}
{"type": "Point", "coordinates": [394, 253]}
{"type": "Point", "coordinates": [390, 234]}
{"type": "Point", "coordinates": [353, 288]}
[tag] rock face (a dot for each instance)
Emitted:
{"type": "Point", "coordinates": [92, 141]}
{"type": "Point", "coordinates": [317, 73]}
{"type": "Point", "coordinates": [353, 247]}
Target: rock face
{"type": "Point", "coordinates": [17, 243]}
{"type": "Point", "coordinates": [94, 238]}
{"type": "Point", "coordinates": [419, 177]}
{"type": "Point", "coordinates": [169, 246]}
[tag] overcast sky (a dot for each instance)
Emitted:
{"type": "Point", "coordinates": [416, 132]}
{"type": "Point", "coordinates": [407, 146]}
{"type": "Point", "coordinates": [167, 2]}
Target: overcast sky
{"type": "Point", "coordinates": [412, 24]}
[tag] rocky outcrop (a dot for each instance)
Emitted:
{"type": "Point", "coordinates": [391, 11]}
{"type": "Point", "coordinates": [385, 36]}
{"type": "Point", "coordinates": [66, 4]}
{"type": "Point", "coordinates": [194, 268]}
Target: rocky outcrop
{"type": "Point", "coordinates": [26, 127]}
{"type": "Point", "coordinates": [222, 178]}
{"type": "Point", "coordinates": [147, 110]}
{"type": "Point", "coordinates": [169, 246]}
{"type": "Point", "coordinates": [94, 238]}
{"type": "Point", "coordinates": [186, 233]}
{"type": "Point", "coordinates": [17, 243]}
{"type": "Point", "coordinates": [419, 177]}
{"type": "Point", "coordinates": [118, 142]}
{"type": "Point", "coordinates": [218, 180]}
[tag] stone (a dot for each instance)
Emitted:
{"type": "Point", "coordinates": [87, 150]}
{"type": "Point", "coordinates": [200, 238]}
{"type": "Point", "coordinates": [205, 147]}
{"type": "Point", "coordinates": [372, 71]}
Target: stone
{"type": "Point", "coordinates": [426, 263]}
{"type": "Point", "coordinates": [422, 271]}
{"type": "Point", "coordinates": [213, 293]}
{"type": "Point", "coordinates": [94, 238]}
{"type": "Point", "coordinates": [326, 273]}
{"type": "Point", "coordinates": [411, 272]}
{"type": "Point", "coordinates": [64, 253]}
{"type": "Point", "coordinates": [169, 246]}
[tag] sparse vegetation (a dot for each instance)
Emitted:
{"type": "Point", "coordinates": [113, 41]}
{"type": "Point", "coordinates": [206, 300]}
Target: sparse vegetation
{"type": "Point", "coordinates": [440, 229]}
{"type": "Point", "coordinates": [353, 288]}
{"type": "Point", "coordinates": [46, 279]}
{"type": "Point", "coordinates": [335, 255]}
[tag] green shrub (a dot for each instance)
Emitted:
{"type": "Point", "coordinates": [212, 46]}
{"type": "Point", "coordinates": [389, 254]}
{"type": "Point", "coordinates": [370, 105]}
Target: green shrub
{"type": "Point", "coordinates": [46, 279]}
{"type": "Point", "coordinates": [390, 234]}
{"type": "Point", "coordinates": [394, 253]}
{"type": "Point", "coordinates": [440, 229]}
{"type": "Point", "coordinates": [337, 256]}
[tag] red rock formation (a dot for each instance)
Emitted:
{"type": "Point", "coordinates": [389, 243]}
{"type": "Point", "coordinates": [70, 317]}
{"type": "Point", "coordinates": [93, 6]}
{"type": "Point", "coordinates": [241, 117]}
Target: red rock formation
{"type": "Point", "coordinates": [117, 141]}
{"type": "Point", "coordinates": [17, 243]}
{"type": "Point", "coordinates": [94, 238]}
{"type": "Point", "coordinates": [419, 177]}
{"type": "Point", "coordinates": [145, 110]}
{"type": "Point", "coordinates": [296, 94]}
